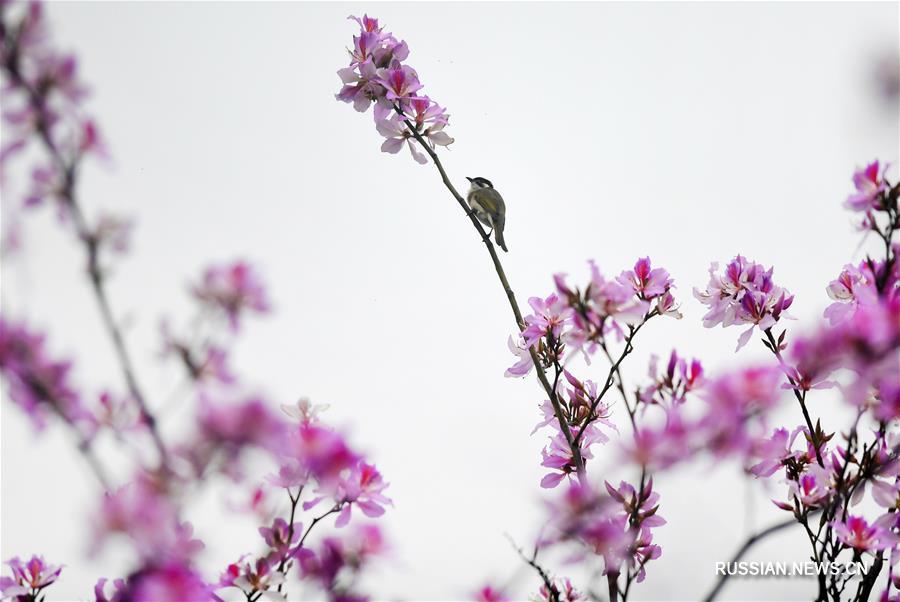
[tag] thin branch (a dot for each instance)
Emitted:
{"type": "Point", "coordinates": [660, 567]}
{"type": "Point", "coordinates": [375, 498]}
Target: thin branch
{"type": "Point", "coordinates": [510, 296]}
{"type": "Point", "coordinates": [552, 591]}
{"type": "Point", "coordinates": [67, 194]}
{"type": "Point", "coordinates": [751, 541]}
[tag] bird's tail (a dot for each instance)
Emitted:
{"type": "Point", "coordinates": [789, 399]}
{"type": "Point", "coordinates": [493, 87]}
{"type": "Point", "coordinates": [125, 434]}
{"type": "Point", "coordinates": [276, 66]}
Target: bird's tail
{"type": "Point", "coordinates": [498, 236]}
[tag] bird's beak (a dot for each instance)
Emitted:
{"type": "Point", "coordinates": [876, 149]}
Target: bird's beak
{"type": "Point", "coordinates": [468, 178]}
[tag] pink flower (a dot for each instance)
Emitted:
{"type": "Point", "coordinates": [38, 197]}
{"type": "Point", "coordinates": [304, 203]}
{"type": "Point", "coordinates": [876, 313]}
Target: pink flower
{"type": "Point", "coordinates": [489, 593]}
{"type": "Point", "coordinates": [662, 447]}
{"type": "Point", "coordinates": [363, 487]}
{"type": "Point", "coordinates": [743, 294]}
{"type": "Point", "coordinates": [232, 289]}
{"type": "Point", "coordinates": [397, 133]}
{"type": "Point", "coordinates": [376, 74]}
{"type": "Point", "coordinates": [236, 425]}
{"type": "Point", "coordinates": [813, 488]}
{"type": "Point", "coordinates": [647, 282]}
{"type": "Point", "coordinates": [524, 364]}
{"type": "Point", "coordinates": [170, 582]}
{"type": "Point", "coordinates": [347, 556]}
{"type": "Point", "coordinates": [558, 455]}
{"type": "Point", "coordinates": [38, 384]}
{"type": "Point", "coordinates": [855, 532]}
{"type": "Point", "coordinates": [671, 387]}
{"type": "Point", "coordinates": [259, 576]}
{"type": "Point", "coordinates": [550, 317]}
{"type": "Point", "coordinates": [281, 536]}
{"type": "Point", "coordinates": [33, 574]}
{"type": "Point", "coordinates": [853, 286]}
{"type": "Point", "coordinates": [143, 512]}
{"type": "Point", "coordinates": [773, 451]}
{"type": "Point", "coordinates": [319, 453]}
{"type": "Point", "coordinates": [399, 82]}
{"type": "Point", "coordinates": [429, 119]}
{"type": "Point", "coordinates": [564, 592]}
{"type": "Point", "coordinates": [734, 401]}
{"type": "Point", "coordinates": [869, 183]}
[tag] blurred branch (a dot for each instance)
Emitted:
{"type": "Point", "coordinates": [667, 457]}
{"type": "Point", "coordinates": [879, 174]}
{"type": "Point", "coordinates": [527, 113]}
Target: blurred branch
{"type": "Point", "coordinates": [68, 170]}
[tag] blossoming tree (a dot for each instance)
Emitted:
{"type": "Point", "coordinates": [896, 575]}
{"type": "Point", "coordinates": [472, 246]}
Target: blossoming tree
{"type": "Point", "coordinates": [574, 343]}
{"type": "Point", "coordinates": [681, 413]}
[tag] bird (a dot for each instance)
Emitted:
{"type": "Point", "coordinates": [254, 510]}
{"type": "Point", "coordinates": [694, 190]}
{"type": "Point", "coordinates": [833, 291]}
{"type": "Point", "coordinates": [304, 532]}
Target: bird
{"type": "Point", "coordinates": [488, 206]}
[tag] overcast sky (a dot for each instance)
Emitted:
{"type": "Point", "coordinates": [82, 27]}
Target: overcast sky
{"type": "Point", "coordinates": [686, 132]}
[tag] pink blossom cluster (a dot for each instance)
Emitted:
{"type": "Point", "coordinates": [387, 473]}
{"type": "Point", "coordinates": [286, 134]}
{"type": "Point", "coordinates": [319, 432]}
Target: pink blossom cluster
{"type": "Point", "coordinates": [743, 294]}
{"type": "Point", "coordinates": [233, 289]}
{"type": "Point", "coordinates": [37, 383]}
{"type": "Point", "coordinates": [576, 320]}
{"type": "Point", "coordinates": [378, 76]}
{"type": "Point", "coordinates": [28, 579]}
{"type": "Point", "coordinates": [874, 197]}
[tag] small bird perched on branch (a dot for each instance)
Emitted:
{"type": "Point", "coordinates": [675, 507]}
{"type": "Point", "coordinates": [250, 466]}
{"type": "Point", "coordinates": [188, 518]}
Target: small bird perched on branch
{"type": "Point", "coordinates": [488, 206]}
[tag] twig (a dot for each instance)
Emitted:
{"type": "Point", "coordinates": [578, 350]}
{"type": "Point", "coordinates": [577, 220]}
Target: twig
{"type": "Point", "coordinates": [67, 194]}
{"type": "Point", "coordinates": [520, 322]}
{"type": "Point", "coordinates": [751, 541]}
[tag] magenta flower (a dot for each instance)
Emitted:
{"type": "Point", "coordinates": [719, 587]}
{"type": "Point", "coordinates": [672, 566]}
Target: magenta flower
{"type": "Point", "coordinates": [855, 532]}
{"type": "Point", "coordinates": [813, 488]}
{"type": "Point", "coordinates": [259, 576]}
{"type": "Point", "coordinates": [670, 388]}
{"type": "Point", "coordinates": [142, 512]}
{"type": "Point", "coordinates": [363, 487]}
{"type": "Point", "coordinates": [337, 562]}
{"type": "Point", "coordinates": [320, 454]}
{"type": "Point", "coordinates": [361, 88]}
{"type": "Point", "coordinates": [869, 183]}
{"type": "Point", "coordinates": [30, 576]}
{"type": "Point", "coordinates": [397, 133]}
{"type": "Point", "coordinates": [854, 286]}
{"type": "Point", "coordinates": [565, 592]}
{"type": "Point", "coordinates": [612, 299]}
{"type": "Point", "coordinates": [558, 455]}
{"type": "Point", "coordinates": [660, 447]}
{"type": "Point", "coordinates": [735, 401]}
{"type": "Point", "coordinates": [376, 74]}
{"type": "Point", "coordinates": [281, 536]}
{"type": "Point", "coordinates": [233, 289]}
{"type": "Point", "coordinates": [743, 294]}
{"type": "Point", "coordinates": [646, 281]}
{"type": "Point", "coordinates": [772, 452]}
{"type": "Point", "coordinates": [233, 426]}
{"type": "Point", "coordinates": [429, 119]}
{"type": "Point", "coordinates": [524, 364]}
{"type": "Point", "coordinates": [489, 593]}
{"type": "Point", "coordinates": [399, 82]}
{"type": "Point", "coordinates": [170, 582]}
{"type": "Point", "coordinates": [38, 384]}
{"type": "Point", "coordinates": [550, 317]}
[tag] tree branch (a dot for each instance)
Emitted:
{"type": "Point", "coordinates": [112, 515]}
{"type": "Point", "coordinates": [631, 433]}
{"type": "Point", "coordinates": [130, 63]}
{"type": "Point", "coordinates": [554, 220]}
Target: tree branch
{"type": "Point", "coordinates": [510, 296]}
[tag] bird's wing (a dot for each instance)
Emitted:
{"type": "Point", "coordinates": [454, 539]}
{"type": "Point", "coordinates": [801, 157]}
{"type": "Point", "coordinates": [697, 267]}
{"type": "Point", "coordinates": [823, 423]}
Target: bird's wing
{"type": "Point", "coordinates": [491, 201]}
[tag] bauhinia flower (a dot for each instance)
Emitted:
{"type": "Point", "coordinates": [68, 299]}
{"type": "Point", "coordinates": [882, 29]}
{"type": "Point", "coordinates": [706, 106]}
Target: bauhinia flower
{"type": "Point", "coordinates": [377, 75]}
{"type": "Point", "coordinates": [363, 487]}
{"type": "Point", "coordinates": [857, 533]}
{"type": "Point", "coordinates": [38, 384]}
{"type": "Point", "coordinates": [869, 183]}
{"type": "Point", "coordinates": [29, 577]}
{"type": "Point", "coordinates": [233, 289]}
{"type": "Point", "coordinates": [744, 294]}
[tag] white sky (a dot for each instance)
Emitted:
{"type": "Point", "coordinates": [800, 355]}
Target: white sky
{"type": "Point", "coordinates": [687, 132]}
